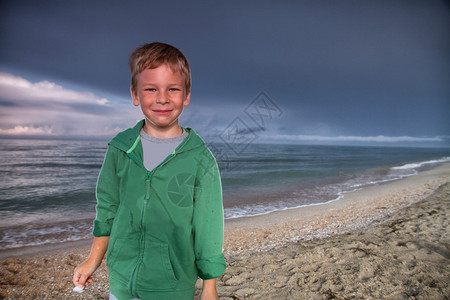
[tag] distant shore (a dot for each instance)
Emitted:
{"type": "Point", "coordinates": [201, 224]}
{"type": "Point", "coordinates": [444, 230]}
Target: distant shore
{"type": "Point", "coordinates": [386, 241]}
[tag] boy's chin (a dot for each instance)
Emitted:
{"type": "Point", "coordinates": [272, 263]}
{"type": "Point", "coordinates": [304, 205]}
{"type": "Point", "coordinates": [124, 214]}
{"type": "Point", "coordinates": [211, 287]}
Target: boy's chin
{"type": "Point", "coordinates": [154, 124]}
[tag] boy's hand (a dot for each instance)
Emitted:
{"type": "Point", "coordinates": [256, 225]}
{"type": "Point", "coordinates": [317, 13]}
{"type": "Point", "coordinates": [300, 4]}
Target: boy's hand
{"type": "Point", "coordinates": [209, 291]}
{"type": "Point", "coordinates": [82, 275]}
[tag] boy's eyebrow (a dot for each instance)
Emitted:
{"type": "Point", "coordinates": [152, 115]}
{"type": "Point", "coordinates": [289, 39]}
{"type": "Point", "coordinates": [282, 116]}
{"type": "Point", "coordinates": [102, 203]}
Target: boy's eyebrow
{"type": "Point", "coordinates": [169, 84]}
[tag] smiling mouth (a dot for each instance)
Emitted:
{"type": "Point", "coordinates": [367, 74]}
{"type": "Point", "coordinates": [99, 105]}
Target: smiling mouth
{"type": "Point", "coordinates": [162, 112]}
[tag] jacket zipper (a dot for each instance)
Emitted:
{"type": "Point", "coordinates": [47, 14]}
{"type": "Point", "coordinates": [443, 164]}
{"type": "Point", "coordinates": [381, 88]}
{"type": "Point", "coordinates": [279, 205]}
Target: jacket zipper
{"type": "Point", "coordinates": [142, 237]}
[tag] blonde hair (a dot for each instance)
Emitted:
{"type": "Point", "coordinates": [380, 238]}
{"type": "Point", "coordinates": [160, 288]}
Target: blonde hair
{"type": "Point", "coordinates": [153, 55]}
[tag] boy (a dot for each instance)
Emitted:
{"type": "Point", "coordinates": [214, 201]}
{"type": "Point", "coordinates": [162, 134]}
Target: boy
{"type": "Point", "coordinates": [159, 199]}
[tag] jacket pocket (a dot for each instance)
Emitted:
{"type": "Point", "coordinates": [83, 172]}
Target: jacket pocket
{"type": "Point", "coordinates": [122, 257]}
{"type": "Point", "coordinates": [156, 271]}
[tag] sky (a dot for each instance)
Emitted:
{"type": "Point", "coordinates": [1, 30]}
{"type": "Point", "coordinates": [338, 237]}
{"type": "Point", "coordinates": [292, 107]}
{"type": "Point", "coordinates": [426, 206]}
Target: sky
{"type": "Point", "coordinates": [333, 72]}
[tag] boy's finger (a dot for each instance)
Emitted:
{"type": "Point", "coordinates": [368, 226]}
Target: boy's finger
{"type": "Point", "coordinates": [79, 279]}
{"type": "Point", "coordinates": [76, 278]}
{"type": "Point", "coordinates": [82, 281]}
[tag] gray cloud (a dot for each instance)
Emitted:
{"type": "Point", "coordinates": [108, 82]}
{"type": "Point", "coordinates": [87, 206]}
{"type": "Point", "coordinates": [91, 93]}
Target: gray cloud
{"type": "Point", "coordinates": [45, 108]}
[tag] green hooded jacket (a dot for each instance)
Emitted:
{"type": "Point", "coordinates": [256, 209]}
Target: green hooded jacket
{"type": "Point", "coordinates": [165, 225]}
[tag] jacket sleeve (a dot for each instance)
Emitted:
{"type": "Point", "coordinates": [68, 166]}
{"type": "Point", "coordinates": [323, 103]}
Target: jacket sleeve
{"type": "Point", "coordinates": [208, 223]}
{"type": "Point", "coordinates": [107, 194]}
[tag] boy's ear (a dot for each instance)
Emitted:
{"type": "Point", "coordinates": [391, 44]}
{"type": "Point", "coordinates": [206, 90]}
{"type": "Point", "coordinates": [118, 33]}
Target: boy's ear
{"type": "Point", "coordinates": [186, 100]}
{"type": "Point", "coordinates": [134, 96]}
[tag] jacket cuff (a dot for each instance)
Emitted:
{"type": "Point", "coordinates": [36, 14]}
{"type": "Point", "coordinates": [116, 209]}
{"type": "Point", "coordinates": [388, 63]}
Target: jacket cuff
{"type": "Point", "coordinates": [101, 228]}
{"type": "Point", "coordinates": [212, 267]}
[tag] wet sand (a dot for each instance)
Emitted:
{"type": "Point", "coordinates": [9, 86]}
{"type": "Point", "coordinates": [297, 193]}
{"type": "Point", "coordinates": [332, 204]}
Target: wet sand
{"type": "Point", "coordinates": [385, 242]}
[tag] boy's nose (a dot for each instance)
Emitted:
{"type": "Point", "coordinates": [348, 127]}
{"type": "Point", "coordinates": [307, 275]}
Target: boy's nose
{"type": "Point", "coordinates": [163, 98]}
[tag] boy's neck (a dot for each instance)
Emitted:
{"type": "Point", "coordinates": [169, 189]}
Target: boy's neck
{"type": "Point", "coordinates": [163, 133]}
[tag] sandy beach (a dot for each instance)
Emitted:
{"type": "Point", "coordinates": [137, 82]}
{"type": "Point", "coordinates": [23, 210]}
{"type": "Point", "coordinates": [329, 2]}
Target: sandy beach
{"type": "Point", "coordinates": [384, 242]}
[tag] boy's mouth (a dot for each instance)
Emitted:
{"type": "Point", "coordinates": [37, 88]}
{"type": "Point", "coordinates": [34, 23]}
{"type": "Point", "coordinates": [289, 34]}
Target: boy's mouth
{"type": "Point", "coordinates": [162, 112]}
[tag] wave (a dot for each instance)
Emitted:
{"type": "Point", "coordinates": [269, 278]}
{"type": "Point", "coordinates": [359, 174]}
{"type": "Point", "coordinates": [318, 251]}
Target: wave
{"type": "Point", "coordinates": [44, 233]}
{"type": "Point", "coordinates": [326, 193]}
{"type": "Point", "coordinates": [417, 165]}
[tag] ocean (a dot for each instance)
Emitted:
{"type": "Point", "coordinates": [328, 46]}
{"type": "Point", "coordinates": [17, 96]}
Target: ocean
{"type": "Point", "coordinates": [47, 187]}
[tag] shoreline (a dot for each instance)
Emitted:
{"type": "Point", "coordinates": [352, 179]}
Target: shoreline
{"type": "Point", "coordinates": [42, 250]}
{"type": "Point", "coordinates": [438, 174]}
{"type": "Point", "coordinates": [353, 211]}
{"type": "Point", "coordinates": [385, 241]}
{"type": "Point", "coordinates": [310, 213]}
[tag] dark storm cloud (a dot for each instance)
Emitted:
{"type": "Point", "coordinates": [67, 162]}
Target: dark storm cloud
{"type": "Point", "coordinates": [7, 103]}
{"type": "Point", "coordinates": [335, 67]}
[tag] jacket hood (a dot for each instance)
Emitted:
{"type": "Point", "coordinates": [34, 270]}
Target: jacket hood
{"type": "Point", "coordinates": [128, 139]}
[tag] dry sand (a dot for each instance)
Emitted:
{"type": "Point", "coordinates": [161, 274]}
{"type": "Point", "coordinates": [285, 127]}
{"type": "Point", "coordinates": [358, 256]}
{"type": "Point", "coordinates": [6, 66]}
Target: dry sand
{"type": "Point", "coordinates": [386, 242]}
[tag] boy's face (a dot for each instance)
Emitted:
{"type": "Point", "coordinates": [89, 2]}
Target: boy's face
{"type": "Point", "coordinates": [162, 94]}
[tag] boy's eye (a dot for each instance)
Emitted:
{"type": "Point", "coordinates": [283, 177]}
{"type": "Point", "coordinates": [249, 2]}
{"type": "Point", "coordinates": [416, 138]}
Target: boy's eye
{"type": "Point", "coordinates": [150, 89]}
{"type": "Point", "coordinates": [174, 89]}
